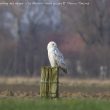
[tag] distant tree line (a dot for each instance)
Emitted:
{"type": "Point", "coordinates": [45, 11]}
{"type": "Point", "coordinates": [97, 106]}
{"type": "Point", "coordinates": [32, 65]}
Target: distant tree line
{"type": "Point", "coordinates": [26, 30]}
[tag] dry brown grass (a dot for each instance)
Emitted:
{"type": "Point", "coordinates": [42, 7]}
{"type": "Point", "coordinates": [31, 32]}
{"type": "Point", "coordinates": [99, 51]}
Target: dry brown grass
{"type": "Point", "coordinates": [63, 80]}
{"type": "Point", "coordinates": [19, 80]}
{"type": "Point", "coordinates": [88, 82]}
{"type": "Point", "coordinates": [29, 87]}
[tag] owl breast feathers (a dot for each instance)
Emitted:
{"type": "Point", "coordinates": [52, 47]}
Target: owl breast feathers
{"type": "Point", "coordinates": [55, 56]}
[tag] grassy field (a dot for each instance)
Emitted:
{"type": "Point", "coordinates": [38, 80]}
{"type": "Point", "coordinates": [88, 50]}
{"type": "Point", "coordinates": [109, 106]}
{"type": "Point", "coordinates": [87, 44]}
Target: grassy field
{"type": "Point", "coordinates": [20, 93]}
{"type": "Point", "coordinates": [74, 88]}
{"type": "Point", "coordinates": [61, 104]}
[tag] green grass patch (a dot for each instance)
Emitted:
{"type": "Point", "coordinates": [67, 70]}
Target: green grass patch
{"type": "Point", "coordinates": [60, 104]}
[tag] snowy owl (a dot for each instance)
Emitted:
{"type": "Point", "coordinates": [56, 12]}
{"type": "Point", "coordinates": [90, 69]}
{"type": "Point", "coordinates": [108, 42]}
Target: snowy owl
{"type": "Point", "coordinates": [55, 56]}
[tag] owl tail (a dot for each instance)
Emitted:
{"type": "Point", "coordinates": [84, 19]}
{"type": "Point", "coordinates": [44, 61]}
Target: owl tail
{"type": "Point", "coordinates": [64, 70]}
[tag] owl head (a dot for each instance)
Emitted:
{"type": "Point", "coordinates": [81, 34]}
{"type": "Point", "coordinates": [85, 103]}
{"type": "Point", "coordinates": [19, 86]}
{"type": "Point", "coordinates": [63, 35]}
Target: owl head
{"type": "Point", "coordinates": [51, 44]}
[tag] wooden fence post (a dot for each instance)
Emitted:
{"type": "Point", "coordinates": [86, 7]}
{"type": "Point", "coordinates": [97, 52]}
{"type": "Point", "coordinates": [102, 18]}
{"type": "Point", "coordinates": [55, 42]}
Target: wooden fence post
{"type": "Point", "coordinates": [49, 85]}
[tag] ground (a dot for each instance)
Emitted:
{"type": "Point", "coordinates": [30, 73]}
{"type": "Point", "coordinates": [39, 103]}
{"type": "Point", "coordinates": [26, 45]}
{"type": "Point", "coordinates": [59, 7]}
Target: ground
{"type": "Point", "coordinates": [68, 87]}
{"type": "Point", "coordinates": [80, 94]}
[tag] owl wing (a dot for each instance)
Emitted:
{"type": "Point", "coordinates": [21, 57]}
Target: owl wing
{"type": "Point", "coordinates": [59, 59]}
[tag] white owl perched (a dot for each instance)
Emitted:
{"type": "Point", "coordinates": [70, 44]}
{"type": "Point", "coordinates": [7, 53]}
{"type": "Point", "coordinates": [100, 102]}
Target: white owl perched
{"type": "Point", "coordinates": [55, 56]}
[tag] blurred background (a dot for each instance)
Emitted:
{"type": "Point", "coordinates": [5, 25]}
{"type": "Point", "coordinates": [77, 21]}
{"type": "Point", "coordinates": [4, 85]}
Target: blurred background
{"type": "Point", "coordinates": [81, 28]}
